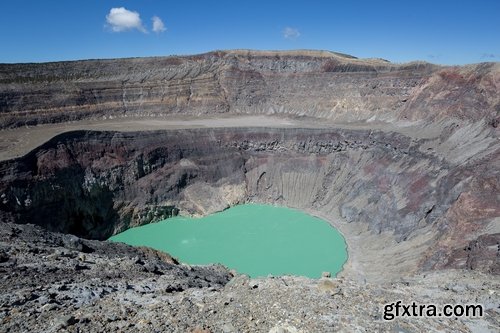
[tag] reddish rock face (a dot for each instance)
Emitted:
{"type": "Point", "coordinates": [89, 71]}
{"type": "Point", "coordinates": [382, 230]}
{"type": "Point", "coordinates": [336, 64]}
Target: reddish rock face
{"type": "Point", "coordinates": [464, 240]}
{"type": "Point", "coordinates": [465, 93]}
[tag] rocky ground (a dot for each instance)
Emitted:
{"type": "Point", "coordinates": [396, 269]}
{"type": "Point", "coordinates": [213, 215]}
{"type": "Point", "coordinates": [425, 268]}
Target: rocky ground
{"type": "Point", "coordinates": [60, 283]}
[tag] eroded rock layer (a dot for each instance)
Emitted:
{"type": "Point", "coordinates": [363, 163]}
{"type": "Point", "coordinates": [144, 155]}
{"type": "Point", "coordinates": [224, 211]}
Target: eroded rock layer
{"type": "Point", "coordinates": [302, 83]}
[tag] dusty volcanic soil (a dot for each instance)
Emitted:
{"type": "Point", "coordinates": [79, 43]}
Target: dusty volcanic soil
{"type": "Point", "coordinates": [403, 159]}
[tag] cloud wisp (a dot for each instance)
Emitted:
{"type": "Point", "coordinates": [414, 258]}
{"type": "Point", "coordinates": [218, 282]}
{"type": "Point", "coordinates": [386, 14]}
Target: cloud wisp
{"type": "Point", "coordinates": [434, 56]}
{"type": "Point", "coordinates": [489, 56]}
{"type": "Point", "coordinates": [291, 33]}
{"type": "Point", "coordinates": [158, 25]}
{"type": "Point", "coordinates": [121, 19]}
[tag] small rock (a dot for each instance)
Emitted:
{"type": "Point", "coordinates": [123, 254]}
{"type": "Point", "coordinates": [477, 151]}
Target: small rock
{"type": "Point", "coordinates": [238, 280]}
{"type": "Point", "coordinates": [79, 267]}
{"type": "Point", "coordinates": [138, 261]}
{"type": "Point", "coordinates": [228, 328]}
{"type": "Point", "coordinates": [4, 257]}
{"type": "Point", "coordinates": [112, 318]}
{"type": "Point", "coordinates": [201, 330]}
{"type": "Point", "coordinates": [72, 242]}
{"type": "Point", "coordinates": [326, 274]}
{"type": "Point", "coordinates": [48, 307]}
{"type": "Point", "coordinates": [67, 321]}
{"type": "Point", "coordinates": [284, 328]}
{"type": "Point", "coordinates": [328, 286]}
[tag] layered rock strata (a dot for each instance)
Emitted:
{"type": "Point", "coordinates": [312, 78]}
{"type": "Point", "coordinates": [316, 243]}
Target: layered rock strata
{"type": "Point", "coordinates": [402, 206]}
{"type": "Point", "coordinates": [300, 83]}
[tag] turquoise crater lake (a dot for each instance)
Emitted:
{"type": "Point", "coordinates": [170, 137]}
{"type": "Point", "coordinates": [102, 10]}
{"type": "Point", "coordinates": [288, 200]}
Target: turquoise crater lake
{"type": "Point", "coordinates": [257, 240]}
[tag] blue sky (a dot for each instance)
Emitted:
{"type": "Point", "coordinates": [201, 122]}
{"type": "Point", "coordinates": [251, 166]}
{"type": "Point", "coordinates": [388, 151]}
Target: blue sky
{"type": "Point", "coordinates": [445, 32]}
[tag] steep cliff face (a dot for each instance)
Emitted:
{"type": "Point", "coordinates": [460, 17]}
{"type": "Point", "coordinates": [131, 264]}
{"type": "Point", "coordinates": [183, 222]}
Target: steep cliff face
{"type": "Point", "coordinates": [299, 83]}
{"type": "Point", "coordinates": [388, 193]}
{"type": "Point", "coordinates": [419, 194]}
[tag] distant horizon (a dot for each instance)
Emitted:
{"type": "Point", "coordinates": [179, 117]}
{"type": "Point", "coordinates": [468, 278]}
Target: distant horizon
{"type": "Point", "coordinates": [441, 32]}
{"type": "Point", "coordinates": [252, 50]}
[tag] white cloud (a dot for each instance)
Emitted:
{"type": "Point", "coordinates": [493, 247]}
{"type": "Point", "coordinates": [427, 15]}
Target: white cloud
{"type": "Point", "coordinates": [291, 33]}
{"type": "Point", "coordinates": [121, 19]}
{"type": "Point", "coordinates": [158, 25]}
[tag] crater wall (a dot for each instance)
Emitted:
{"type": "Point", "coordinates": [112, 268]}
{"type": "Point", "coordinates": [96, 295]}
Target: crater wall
{"type": "Point", "coordinates": [317, 84]}
{"type": "Point", "coordinates": [402, 205]}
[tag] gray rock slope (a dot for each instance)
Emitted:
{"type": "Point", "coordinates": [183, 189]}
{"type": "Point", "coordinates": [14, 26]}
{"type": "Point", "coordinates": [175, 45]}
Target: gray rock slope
{"type": "Point", "coordinates": [53, 282]}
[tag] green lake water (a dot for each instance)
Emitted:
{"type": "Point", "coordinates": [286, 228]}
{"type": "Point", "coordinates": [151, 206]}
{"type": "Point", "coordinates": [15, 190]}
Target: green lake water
{"type": "Point", "coordinates": [257, 240]}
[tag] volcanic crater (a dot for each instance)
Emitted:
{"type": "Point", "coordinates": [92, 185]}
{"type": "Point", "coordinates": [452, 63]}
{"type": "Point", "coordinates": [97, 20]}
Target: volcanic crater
{"type": "Point", "coordinates": [403, 159]}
